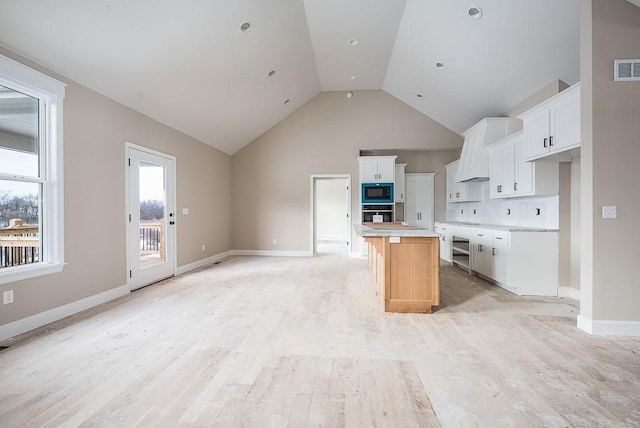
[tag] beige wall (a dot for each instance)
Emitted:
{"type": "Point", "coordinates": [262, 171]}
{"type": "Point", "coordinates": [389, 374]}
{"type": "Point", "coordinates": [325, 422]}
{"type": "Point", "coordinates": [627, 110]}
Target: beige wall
{"type": "Point", "coordinates": [543, 94]}
{"type": "Point", "coordinates": [95, 131]}
{"type": "Point", "coordinates": [575, 244]}
{"type": "Point", "coordinates": [610, 29]}
{"type": "Point", "coordinates": [270, 176]}
{"type": "Point", "coordinates": [564, 226]}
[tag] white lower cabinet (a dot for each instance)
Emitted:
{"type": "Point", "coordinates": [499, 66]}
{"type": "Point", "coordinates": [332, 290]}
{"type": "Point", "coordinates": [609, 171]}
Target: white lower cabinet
{"type": "Point", "coordinates": [523, 262]}
{"type": "Point", "coordinates": [445, 240]}
{"type": "Point", "coordinates": [481, 245]}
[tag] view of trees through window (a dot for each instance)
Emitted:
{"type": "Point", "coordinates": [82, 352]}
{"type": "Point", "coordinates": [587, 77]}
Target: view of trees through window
{"type": "Point", "coordinates": [23, 207]}
{"type": "Point", "coordinates": [151, 209]}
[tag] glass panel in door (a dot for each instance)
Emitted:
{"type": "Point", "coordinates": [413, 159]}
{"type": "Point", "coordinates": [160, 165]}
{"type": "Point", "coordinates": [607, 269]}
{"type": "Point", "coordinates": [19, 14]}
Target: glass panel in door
{"type": "Point", "coordinates": [152, 214]}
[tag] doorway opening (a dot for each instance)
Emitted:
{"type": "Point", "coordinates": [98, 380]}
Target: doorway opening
{"type": "Point", "coordinates": [331, 213]}
{"type": "Point", "coordinates": [151, 253]}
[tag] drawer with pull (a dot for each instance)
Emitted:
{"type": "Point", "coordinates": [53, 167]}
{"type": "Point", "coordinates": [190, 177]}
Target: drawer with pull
{"type": "Point", "coordinates": [501, 237]}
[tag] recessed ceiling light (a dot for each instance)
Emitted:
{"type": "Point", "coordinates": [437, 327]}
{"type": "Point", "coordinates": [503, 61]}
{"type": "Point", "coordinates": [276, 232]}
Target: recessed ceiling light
{"type": "Point", "coordinates": [287, 101]}
{"type": "Point", "coordinates": [419, 96]}
{"type": "Point", "coordinates": [439, 65]}
{"type": "Point", "coordinates": [271, 73]}
{"type": "Point", "coordinates": [245, 26]}
{"type": "Point", "coordinates": [353, 42]}
{"type": "Point", "coordinates": [353, 77]}
{"type": "Point", "coordinates": [475, 12]}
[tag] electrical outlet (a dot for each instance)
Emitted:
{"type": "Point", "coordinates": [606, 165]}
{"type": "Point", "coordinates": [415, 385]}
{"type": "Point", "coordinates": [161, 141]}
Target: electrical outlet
{"type": "Point", "coordinates": [275, 241]}
{"type": "Point", "coordinates": [609, 211]}
{"type": "Point", "coordinates": [203, 247]}
{"type": "Point", "coordinates": [7, 297]}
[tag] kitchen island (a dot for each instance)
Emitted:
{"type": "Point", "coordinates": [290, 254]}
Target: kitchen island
{"type": "Point", "coordinates": [404, 263]}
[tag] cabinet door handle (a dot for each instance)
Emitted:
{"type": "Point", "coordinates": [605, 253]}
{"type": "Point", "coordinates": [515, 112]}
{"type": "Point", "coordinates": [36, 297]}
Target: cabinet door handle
{"type": "Point", "coordinates": [457, 194]}
{"type": "Point", "coordinates": [545, 143]}
{"type": "Point", "coordinates": [493, 251]}
{"type": "Point", "coordinates": [551, 141]}
{"type": "Point", "coordinates": [497, 237]}
{"type": "Point", "coordinates": [500, 188]}
{"type": "Point", "coordinates": [450, 195]}
{"type": "Point", "coordinates": [479, 248]}
{"type": "Point", "coordinates": [515, 187]}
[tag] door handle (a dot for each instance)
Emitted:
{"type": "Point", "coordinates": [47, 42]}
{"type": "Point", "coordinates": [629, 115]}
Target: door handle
{"type": "Point", "coordinates": [172, 223]}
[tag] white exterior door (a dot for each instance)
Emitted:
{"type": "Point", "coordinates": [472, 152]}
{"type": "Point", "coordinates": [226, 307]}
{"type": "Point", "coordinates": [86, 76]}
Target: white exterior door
{"type": "Point", "coordinates": [150, 216]}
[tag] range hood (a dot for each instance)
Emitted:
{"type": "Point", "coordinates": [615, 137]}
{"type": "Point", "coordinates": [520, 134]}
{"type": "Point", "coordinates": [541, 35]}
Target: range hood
{"type": "Point", "coordinates": [474, 159]}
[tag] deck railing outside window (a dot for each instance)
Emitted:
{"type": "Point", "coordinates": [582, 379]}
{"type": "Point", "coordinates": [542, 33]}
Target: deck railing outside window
{"type": "Point", "coordinates": [19, 244]}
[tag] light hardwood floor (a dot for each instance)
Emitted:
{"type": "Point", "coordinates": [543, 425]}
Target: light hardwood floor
{"type": "Point", "coordinates": [302, 342]}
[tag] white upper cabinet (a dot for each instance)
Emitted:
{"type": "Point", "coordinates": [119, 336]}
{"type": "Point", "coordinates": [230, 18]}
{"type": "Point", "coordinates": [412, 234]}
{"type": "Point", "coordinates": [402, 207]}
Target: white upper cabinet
{"type": "Point", "coordinates": [502, 168]}
{"type": "Point", "coordinates": [399, 186]}
{"type": "Point", "coordinates": [553, 127]}
{"type": "Point", "coordinates": [470, 191]}
{"type": "Point", "coordinates": [511, 175]}
{"type": "Point", "coordinates": [377, 169]}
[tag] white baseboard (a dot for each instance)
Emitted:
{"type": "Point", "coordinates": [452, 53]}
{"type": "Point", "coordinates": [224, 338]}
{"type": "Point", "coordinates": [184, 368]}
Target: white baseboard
{"type": "Point", "coordinates": [609, 328]}
{"type": "Point", "coordinates": [571, 292]}
{"type": "Point", "coordinates": [38, 320]}
{"type": "Point", "coordinates": [200, 263]}
{"type": "Point", "coordinates": [272, 253]}
{"type": "Point", "coordinates": [332, 238]}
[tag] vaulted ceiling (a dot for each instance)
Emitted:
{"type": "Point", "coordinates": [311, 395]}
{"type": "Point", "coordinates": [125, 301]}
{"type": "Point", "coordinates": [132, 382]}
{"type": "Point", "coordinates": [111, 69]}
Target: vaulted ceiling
{"type": "Point", "coordinates": [191, 64]}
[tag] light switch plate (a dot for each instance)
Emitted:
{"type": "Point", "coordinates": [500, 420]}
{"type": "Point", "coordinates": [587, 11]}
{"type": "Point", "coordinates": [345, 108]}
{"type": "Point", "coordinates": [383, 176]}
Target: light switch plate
{"type": "Point", "coordinates": [609, 211]}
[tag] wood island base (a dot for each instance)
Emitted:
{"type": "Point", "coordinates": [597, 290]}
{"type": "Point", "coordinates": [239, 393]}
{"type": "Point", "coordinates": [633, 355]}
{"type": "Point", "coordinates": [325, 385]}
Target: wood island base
{"type": "Point", "coordinates": [406, 272]}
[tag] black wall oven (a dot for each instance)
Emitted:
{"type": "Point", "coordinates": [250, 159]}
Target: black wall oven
{"type": "Point", "coordinates": [368, 211]}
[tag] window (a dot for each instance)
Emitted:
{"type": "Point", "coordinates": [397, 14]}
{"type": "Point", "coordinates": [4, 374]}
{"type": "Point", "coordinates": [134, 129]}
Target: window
{"type": "Point", "coordinates": [31, 227]}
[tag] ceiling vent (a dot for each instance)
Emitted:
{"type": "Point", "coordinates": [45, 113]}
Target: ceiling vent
{"type": "Point", "coordinates": [626, 70]}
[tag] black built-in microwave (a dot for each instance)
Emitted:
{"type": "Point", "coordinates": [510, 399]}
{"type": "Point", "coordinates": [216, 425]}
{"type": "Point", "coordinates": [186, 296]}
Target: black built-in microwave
{"type": "Point", "coordinates": [377, 193]}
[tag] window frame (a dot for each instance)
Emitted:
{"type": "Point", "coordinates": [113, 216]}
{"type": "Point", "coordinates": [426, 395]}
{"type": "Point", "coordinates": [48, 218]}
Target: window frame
{"type": "Point", "coordinates": [50, 93]}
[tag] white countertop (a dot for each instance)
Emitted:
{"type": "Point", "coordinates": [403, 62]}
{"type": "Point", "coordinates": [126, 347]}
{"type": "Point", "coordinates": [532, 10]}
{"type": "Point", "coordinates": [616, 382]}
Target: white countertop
{"type": "Point", "coordinates": [497, 227]}
{"type": "Point", "coordinates": [380, 231]}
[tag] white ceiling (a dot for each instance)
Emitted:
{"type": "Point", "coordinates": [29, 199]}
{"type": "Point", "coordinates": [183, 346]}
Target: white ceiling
{"type": "Point", "coordinates": [187, 64]}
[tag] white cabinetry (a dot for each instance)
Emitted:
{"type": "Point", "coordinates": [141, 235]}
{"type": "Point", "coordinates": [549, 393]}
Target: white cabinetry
{"type": "Point", "coordinates": [418, 207]}
{"type": "Point", "coordinates": [511, 175]}
{"type": "Point", "coordinates": [445, 240]}
{"type": "Point", "coordinates": [470, 191]}
{"type": "Point", "coordinates": [481, 252]}
{"type": "Point", "coordinates": [377, 169]}
{"type": "Point", "coordinates": [500, 258]}
{"type": "Point", "coordinates": [399, 186]}
{"type": "Point", "coordinates": [553, 127]}
{"type": "Point", "coordinates": [523, 262]}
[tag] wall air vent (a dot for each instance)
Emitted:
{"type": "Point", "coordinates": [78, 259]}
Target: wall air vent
{"type": "Point", "coordinates": [626, 70]}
